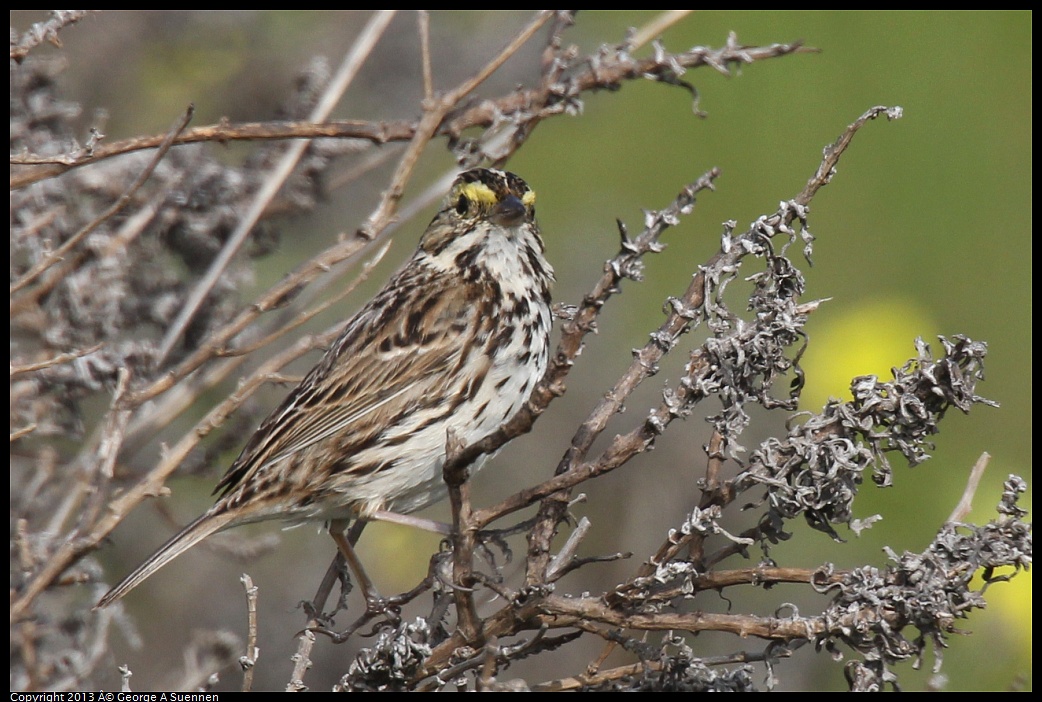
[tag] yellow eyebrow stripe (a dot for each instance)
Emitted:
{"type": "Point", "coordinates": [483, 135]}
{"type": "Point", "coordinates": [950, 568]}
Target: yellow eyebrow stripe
{"type": "Point", "coordinates": [479, 192]}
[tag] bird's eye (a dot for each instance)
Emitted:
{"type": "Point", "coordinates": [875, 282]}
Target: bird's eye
{"type": "Point", "coordinates": [462, 205]}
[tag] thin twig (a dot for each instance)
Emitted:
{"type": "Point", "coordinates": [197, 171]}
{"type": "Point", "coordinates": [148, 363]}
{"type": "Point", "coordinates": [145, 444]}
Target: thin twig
{"type": "Point", "coordinates": [152, 484]}
{"type": "Point", "coordinates": [433, 116]}
{"type": "Point", "coordinates": [965, 505]}
{"type": "Point", "coordinates": [348, 70]}
{"type": "Point", "coordinates": [654, 29]}
{"type": "Point", "coordinates": [536, 103]}
{"type": "Point", "coordinates": [123, 200]}
{"type": "Point", "coordinates": [423, 18]}
{"type": "Point", "coordinates": [24, 431]}
{"type": "Point", "coordinates": [216, 344]}
{"type": "Point", "coordinates": [559, 563]}
{"type": "Point", "coordinates": [181, 395]}
{"type": "Point", "coordinates": [463, 543]}
{"type": "Point", "coordinates": [827, 169]}
{"type": "Point", "coordinates": [53, 361]}
{"type": "Point", "coordinates": [249, 660]}
{"type": "Point", "coordinates": [301, 661]}
{"type": "Point", "coordinates": [72, 548]}
{"type": "Point", "coordinates": [306, 638]}
{"type": "Point", "coordinates": [45, 31]}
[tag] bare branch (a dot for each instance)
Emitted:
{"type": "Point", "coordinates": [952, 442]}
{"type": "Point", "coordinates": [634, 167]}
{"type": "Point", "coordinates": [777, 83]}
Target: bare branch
{"type": "Point", "coordinates": [46, 31]}
{"type": "Point", "coordinates": [965, 506]}
{"type": "Point", "coordinates": [249, 660]}
{"type": "Point", "coordinates": [371, 33]}
{"type": "Point", "coordinates": [124, 199]}
{"type": "Point", "coordinates": [612, 71]}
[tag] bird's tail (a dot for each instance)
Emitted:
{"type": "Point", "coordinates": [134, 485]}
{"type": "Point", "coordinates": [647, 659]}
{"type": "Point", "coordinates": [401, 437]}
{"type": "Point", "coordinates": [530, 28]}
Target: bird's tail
{"type": "Point", "coordinates": [208, 523]}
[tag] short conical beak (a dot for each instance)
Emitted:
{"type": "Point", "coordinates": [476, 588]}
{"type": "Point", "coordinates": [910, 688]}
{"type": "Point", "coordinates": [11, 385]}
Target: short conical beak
{"type": "Point", "coordinates": [509, 212]}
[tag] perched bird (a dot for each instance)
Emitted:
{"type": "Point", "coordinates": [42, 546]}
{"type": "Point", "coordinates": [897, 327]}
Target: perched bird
{"type": "Point", "coordinates": [455, 342]}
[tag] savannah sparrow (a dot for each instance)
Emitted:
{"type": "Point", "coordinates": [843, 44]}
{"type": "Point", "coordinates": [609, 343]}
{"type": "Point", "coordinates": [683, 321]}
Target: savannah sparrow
{"type": "Point", "coordinates": [455, 342]}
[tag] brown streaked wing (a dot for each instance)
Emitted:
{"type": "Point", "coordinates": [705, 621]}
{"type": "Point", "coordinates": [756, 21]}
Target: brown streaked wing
{"type": "Point", "coordinates": [379, 365]}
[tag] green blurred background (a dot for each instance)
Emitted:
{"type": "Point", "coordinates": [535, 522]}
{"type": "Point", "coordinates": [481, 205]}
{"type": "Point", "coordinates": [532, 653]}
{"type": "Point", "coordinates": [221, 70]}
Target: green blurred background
{"type": "Point", "coordinates": [924, 231]}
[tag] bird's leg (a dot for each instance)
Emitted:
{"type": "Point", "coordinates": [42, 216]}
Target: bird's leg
{"type": "Point", "coordinates": [314, 608]}
{"type": "Point", "coordinates": [337, 527]}
{"type": "Point", "coordinates": [411, 521]}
